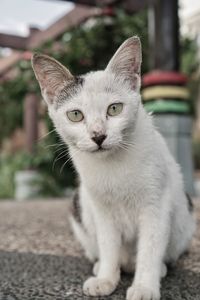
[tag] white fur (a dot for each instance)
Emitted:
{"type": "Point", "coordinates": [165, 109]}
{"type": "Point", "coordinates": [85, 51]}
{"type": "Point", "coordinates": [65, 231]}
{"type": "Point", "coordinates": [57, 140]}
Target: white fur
{"type": "Point", "coordinates": [133, 205]}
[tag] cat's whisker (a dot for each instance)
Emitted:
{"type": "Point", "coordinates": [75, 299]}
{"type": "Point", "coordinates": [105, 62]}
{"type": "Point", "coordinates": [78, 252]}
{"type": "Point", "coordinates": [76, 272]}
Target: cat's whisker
{"type": "Point", "coordinates": [45, 135]}
{"type": "Point", "coordinates": [68, 160]}
{"type": "Point", "coordinates": [60, 156]}
{"type": "Point", "coordinates": [127, 141]}
{"type": "Point", "coordinates": [55, 145]}
{"type": "Point", "coordinates": [126, 146]}
{"type": "Point", "coordinates": [123, 147]}
{"type": "Point", "coordinates": [129, 145]}
{"type": "Point", "coordinates": [60, 149]}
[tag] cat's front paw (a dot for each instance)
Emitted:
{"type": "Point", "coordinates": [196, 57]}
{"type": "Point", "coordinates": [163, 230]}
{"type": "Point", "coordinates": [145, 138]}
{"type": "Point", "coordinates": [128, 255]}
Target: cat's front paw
{"type": "Point", "coordinates": [98, 287]}
{"type": "Point", "coordinates": [139, 292]}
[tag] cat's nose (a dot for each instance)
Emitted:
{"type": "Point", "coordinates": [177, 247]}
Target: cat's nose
{"type": "Point", "coordinates": [98, 139]}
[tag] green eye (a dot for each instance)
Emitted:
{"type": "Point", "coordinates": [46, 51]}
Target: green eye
{"type": "Point", "coordinates": [115, 109]}
{"type": "Point", "coordinates": [75, 115]}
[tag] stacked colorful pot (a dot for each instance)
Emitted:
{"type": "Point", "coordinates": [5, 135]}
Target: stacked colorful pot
{"type": "Point", "coordinates": [165, 92]}
{"type": "Point", "coordinates": [165, 95]}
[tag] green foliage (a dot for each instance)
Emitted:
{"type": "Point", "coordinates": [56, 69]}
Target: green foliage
{"type": "Point", "coordinates": [89, 47]}
{"type": "Point", "coordinates": [188, 55]}
{"type": "Point", "coordinates": [189, 66]}
{"type": "Point", "coordinates": [7, 171]}
{"type": "Point", "coordinates": [9, 165]}
{"type": "Point", "coordinates": [12, 93]}
{"type": "Point", "coordinates": [52, 179]}
{"type": "Point", "coordinates": [11, 110]}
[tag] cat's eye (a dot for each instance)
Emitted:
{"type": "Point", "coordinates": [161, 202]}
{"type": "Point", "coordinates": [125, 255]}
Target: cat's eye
{"type": "Point", "coordinates": [115, 109]}
{"type": "Point", "coordinates": [75, 115]}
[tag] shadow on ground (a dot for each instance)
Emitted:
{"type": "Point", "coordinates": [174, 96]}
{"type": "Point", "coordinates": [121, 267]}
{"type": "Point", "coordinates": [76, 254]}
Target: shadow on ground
{"type": "Point", "coordinates": [28, 276]}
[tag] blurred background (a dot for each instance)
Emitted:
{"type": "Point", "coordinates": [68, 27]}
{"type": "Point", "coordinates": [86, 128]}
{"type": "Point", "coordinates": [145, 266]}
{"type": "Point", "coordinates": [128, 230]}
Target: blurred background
{"type": "Point", "coordinates": [83, 35]}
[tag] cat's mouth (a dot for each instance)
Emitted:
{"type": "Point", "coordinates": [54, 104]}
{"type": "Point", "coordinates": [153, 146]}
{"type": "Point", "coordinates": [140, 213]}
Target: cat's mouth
{"type": "Point", "coordinates": [100, 149]}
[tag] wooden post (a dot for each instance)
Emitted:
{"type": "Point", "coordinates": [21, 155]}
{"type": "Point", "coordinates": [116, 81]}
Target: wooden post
{"type": "Point", "coordinates": [31, 122]}
{"type": "Point", "coordinates": [164, 38]}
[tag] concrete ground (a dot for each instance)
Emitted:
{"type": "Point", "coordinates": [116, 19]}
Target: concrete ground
{"type": "Point", "coordinates": [39, 258]}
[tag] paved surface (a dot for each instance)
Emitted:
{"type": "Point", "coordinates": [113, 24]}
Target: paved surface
{"type": "Point", "coordinates": [39, 258]}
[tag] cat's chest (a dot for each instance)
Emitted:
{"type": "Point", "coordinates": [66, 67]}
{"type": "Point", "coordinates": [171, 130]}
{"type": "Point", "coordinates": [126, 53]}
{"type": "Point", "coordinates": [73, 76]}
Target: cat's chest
{"type": "Point", "coordinates": [125, 215]}
{"type": "Point", "coordinates": [119, 182]}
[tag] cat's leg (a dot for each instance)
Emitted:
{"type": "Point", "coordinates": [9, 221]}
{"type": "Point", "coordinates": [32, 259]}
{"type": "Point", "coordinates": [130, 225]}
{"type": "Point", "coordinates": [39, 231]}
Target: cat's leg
{"type": "Point", "coordinates": [127, 260]}
{"type": "Point", "coordinates": [163, 271]}
{"type": "Point", "coordinates": [108, 271]}
{"type": "Point", "coordinates": [129, 268]}
{"type": "Point", "coordinates": [152, 243]}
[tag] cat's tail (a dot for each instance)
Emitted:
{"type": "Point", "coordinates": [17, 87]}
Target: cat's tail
{"type": "Point", "coordinates": [87, 242]}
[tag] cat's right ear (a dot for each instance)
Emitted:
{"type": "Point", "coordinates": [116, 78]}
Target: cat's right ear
{"type": "Point", "coordinates": [126, 62]}
{"type": "Point", "coordinates": [51, 75]}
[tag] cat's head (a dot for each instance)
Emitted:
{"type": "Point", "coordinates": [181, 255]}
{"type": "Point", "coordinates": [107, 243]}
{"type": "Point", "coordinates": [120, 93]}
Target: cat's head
{"type": "Point", "coordinates": [95, 112]}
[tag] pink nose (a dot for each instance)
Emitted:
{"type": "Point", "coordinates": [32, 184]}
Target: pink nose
{"type": "Point", "coordinates": [98, 139]}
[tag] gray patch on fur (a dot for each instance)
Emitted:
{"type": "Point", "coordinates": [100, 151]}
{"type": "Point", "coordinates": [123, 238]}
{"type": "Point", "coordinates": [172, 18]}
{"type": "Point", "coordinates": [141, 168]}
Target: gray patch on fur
{"type": "Point", "coordinates": [190, 203]}
{"type": "Point", "coordinates": [69, 91]}
{"type": "Point", "coordinates": [76, 209]}
{"type": "Point", "coordinates": [109, 89]}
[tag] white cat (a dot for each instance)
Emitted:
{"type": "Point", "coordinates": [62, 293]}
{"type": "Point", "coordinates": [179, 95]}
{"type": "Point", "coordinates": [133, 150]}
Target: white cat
{"type": "Point", "coordinates": [134, 214]}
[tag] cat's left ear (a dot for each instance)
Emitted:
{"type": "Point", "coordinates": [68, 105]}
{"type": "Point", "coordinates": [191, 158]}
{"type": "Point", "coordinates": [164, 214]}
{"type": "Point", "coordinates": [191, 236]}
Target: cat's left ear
{"type": "Point", "coordinates": [126, 62]}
